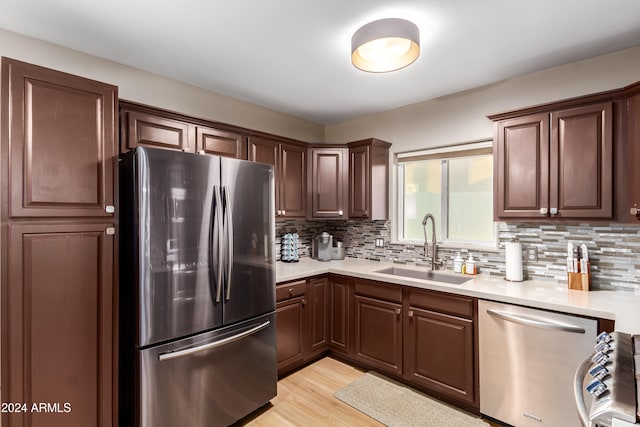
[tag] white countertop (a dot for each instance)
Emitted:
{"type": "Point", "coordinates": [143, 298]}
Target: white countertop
{"type": "Point", "coordinates": [623, 307]}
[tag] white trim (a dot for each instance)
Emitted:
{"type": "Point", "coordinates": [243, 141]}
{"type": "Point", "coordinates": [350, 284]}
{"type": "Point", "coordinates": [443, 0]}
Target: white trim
{"type": "Point", "coordinates": [446, 149]}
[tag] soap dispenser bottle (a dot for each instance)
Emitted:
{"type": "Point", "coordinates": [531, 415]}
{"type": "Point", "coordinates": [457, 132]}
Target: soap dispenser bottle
{"type": "Point", "coordinates": [470, 266]}
{"type": "Point", "coordinates": [457, 263]}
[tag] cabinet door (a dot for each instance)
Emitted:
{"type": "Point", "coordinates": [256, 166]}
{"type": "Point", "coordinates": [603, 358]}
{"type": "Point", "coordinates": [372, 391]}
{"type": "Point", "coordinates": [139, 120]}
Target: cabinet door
{"type": "Point", "coordinates": [57, 320]}
{"type": "Point", "coordinates": [265, 151]}
{"type": "Point", "coordinates": [329, 195]}
{"type": "Point", "coordinates": [521, 167]}
{"type": "Point", "coordinates": [359, 182]}
{"type": "Point", "coordinates": [378, 333]}
{"type": "Point", "coordinates": [291, 325]}
{"type": "Point", "coordinates": [293, 181]}
{"type": "Point", "coordinates": [60, 141]}
{"type": "Point", "coordinates": [318, 294]}
{"type": "Point", "coordinates": [633, 160]}
{"type": "Point", "coordinates": [581, 162]}
{"type": "Point", "coordinates": [339, 314]}
{"type": "Point", "coordinates": [440, 353]}
{"type": "Point", "coordinates": [149, 130]}
{"type": "Point", "coordinates": [220, 143]}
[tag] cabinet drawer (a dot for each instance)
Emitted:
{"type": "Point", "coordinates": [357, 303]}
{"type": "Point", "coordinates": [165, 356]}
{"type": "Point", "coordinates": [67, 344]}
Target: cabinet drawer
{"type": "Point", "coordinates": [379, 291]}
{"type": "Point", "coordinates": [443, 303]}
{"type": "Point", "coordinates": [291, 290]}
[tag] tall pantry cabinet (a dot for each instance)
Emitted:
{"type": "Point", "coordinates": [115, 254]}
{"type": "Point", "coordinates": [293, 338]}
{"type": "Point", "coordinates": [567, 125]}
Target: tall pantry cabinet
{"type": "Point", "coordinates": [58, 155]}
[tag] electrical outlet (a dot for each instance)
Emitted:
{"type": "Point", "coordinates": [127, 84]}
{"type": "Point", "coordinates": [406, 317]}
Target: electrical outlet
{"type": "Point", "coordinates": [379, 243]}
{"type": "Point", "coordinates": [532, 254]}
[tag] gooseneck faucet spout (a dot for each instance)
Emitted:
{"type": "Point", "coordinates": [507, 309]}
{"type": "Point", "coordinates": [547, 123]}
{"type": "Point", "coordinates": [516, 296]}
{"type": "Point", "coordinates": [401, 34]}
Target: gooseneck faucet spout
{"type": "Point", "coordinates": [433, 240]}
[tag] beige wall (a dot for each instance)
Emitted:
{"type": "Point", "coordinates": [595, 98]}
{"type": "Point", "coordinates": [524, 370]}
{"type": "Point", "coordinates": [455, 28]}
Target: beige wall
{"type": "Point", "coordinates": [443, 121]}
{"type": "Point", "coordinates": [148, 88]}
{"type": "Point", "coordinates": [462, 117]}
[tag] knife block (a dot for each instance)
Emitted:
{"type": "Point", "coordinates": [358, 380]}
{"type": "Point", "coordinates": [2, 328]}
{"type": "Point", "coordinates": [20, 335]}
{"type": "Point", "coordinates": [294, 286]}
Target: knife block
{"type": "Point", "coordinates": [579, 281]}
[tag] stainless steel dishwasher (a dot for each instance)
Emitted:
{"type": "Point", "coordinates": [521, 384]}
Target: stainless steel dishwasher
{"type": "Point", "coordinates": [528, 359]}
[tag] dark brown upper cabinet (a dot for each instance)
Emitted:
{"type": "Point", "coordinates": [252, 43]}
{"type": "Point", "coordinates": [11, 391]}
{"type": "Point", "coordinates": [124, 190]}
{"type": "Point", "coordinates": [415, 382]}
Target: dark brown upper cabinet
{"type": "Point", "coordinates": [328, 182]}
{"type": "Point", "coordinates": [61, 142]}
{"type": "Point", "coordinates": [57, 305]}
{"type": "Point", "coordinates": [153, 127]}
{"type": "Point", "coordinates": [290, 166]}
{"type": "Point", "coordinates": [369, 179]}
{"type": "Point", "coordinates": [145, 129]}
{"type": "Point", "coordinates": [631, 208]}
{"type": "Point", "coordinates": [556, 164]}
{"type": "Point", "coordinates": [220, 143]}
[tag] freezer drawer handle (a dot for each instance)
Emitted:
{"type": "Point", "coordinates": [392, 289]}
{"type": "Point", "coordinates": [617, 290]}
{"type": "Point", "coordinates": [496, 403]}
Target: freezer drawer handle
{"type": "Point", "coordinates": [215, 344]}
{"type": "Point", "coordinates": [529, 321]}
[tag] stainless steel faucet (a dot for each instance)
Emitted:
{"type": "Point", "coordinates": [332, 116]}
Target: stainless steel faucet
{"type": "Point", "coordinates": [434, 249]}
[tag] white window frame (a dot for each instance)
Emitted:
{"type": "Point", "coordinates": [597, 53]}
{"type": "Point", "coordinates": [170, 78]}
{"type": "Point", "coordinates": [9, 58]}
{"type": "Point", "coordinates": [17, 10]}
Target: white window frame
{"type": "Point", "coordinates": [444, 154]}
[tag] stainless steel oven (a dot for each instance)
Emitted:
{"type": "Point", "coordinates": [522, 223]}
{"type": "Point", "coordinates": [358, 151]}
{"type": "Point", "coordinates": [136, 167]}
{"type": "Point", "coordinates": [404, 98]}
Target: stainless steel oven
{"type": "Point", "coordinates": [611, 374]}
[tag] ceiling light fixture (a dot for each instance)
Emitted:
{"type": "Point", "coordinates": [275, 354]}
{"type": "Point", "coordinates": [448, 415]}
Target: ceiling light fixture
{"type": "Point", "coordinates": [385, 45]}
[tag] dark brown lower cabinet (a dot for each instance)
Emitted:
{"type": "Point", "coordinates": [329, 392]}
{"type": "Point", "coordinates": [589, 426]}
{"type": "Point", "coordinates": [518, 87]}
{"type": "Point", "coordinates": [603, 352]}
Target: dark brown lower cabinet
{"type": "Point", "coordinates": [441, 353]}
{"type": "Point", "coordinates": [339, 312]}
{"type": "Point", "coordinates": [378, 333]}
{"type": "Point", "coordinates": [57, 324]}
{"type": "Point", "coordinates": [440, 345]}
{"type": "Point", "coordinates": [318, 293]}
{"type": "Point", "coordinates": [291, 324]}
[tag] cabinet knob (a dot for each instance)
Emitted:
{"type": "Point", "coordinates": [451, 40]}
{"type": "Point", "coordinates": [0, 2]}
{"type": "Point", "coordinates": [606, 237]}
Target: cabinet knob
{"type": "Point", "coordinates": [398, 311]}
{"type": "Point", "coordinates": [290, 291]}
{"type": "Point", "coordinates": [340, 212]}
{"type": "Point", "coordinates": [284, 212]}
{"type": "Point", "coordinates": [553, 211]}
{"type": "Point", "coordinates": [278, 212]}
{"type": "Point", "coordinates": [110, 231]}
{"type": "Point", "coordinates": [109, 209]}
{"type": "Point", "coordinates": [543, 211]}
{"type": "Point", "coordinates": [634, 211]}
{"type": "Point", "coordinates": [201, 152]}
{"type": "Point", "coordinates": [410, 313]}
{"type": "Point", "coordinates": [304, 302]}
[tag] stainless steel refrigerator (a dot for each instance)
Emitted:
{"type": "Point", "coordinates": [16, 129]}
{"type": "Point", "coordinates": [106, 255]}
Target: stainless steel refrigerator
{"type": "Point", "coordinates": [196, 290]}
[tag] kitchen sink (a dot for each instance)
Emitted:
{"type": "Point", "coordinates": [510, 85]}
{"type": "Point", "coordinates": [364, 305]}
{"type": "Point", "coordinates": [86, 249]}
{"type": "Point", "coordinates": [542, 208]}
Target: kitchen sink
{"type": "Point", "coordinates": [425, 275]}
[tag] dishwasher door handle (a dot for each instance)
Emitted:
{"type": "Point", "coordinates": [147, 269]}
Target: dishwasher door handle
{"type": "Point", "coordinates": [537, 323]}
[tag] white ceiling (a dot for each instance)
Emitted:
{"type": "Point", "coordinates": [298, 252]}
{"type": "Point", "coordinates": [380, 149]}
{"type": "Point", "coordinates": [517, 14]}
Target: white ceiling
{"type": "Point", "coordinates": [294, 55]}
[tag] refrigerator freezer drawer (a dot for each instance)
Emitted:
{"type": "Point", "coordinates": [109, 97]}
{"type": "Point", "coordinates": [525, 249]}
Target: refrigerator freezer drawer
{"type": "Point", "coordinates": [211, 379]}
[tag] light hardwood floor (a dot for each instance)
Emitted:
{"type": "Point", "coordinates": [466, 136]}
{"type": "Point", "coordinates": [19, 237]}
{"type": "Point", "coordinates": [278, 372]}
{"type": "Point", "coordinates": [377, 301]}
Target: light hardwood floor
{"type": "Point", "coordinates": [305, 398]}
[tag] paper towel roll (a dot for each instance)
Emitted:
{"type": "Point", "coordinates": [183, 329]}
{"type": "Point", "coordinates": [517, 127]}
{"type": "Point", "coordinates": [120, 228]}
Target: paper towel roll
{"type": "Point", "coordinates": [513, 255]}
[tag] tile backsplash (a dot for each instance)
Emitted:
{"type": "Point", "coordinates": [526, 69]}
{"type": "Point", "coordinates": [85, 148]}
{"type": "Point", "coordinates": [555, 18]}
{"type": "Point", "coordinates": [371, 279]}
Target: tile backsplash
{"type": "Point", "coordinates": [614, 249]}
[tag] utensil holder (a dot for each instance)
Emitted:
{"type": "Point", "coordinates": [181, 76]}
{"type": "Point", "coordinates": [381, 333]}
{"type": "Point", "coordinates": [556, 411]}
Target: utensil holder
{"type": "Point", "coordinates": [579, 281]}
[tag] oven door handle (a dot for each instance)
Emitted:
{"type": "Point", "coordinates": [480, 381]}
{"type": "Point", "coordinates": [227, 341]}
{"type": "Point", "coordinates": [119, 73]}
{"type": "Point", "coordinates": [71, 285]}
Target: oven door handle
{"type": "Point", "coordinates": [191, 350]}
{"type": "Point", "coordinates": [578, 386]}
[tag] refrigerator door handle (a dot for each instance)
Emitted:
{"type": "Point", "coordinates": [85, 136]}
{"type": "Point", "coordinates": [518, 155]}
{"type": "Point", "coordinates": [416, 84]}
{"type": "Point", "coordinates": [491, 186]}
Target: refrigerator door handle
{"type": "Point", "coordinates": [215, 344]}
{"type": "Point", "coordinates": [217, 240]}
{"type": "Point", "coordinates": [229, 229]}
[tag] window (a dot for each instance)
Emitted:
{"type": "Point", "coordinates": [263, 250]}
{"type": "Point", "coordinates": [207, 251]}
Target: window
{"type": "Point", "coordinates": [456, 186]}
